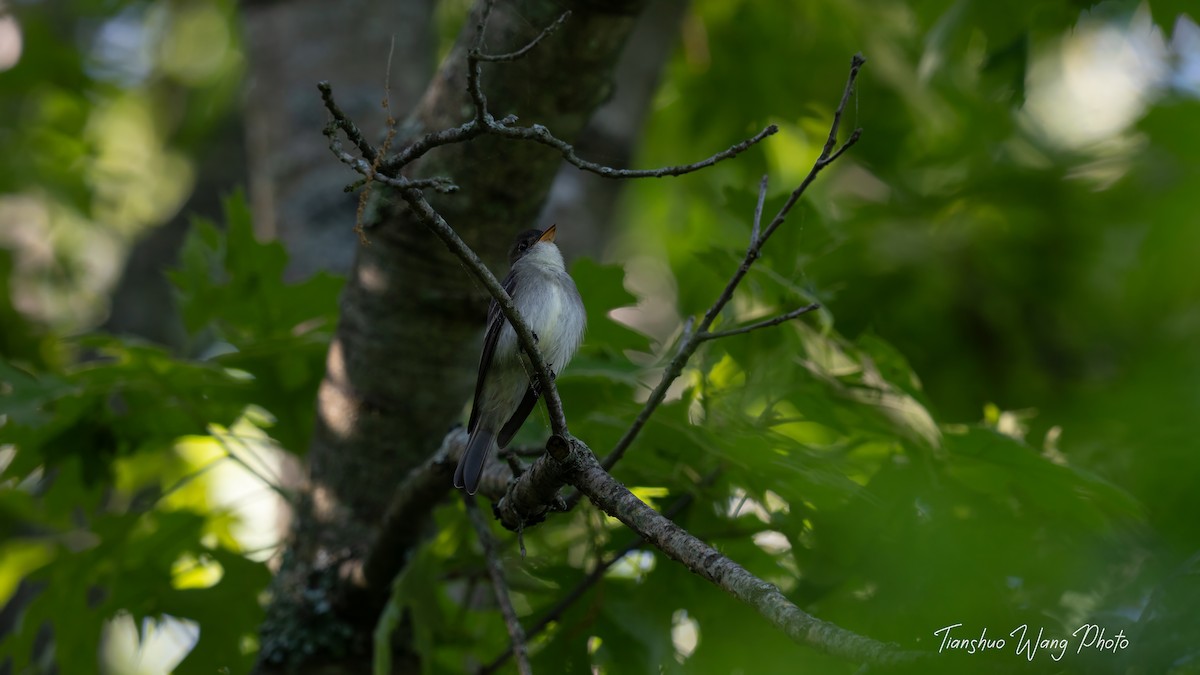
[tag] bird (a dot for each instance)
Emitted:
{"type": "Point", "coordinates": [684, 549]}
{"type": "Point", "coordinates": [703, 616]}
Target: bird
{"type": "Point", "coordinates": [505, 389]}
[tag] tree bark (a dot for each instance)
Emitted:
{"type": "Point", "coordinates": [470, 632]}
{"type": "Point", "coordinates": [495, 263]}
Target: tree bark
{"type": "Point", "coordinates": [274, 144]}
{"type": "Point", "coordinates": [402, 363]}
{"type": "Point", "coordinates": [295, 191]}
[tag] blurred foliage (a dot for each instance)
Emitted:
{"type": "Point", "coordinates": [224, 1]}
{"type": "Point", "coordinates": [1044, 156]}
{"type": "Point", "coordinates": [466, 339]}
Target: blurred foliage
{"type": "Point", "coordinates": [991, 422]}
{"type": "Point", "coordinates": [107, 507]}
{"type": "Point", "coordinates": [1026, 251]}
{"type": "Point", "coordinates": [101, 119]}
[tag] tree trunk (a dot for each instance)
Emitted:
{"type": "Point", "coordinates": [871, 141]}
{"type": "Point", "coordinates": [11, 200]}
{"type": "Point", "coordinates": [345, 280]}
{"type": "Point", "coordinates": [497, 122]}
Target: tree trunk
{"type": "Point", "coordinates": [402, 363]}
{"type": "Point", "coordinates": [295, 190]}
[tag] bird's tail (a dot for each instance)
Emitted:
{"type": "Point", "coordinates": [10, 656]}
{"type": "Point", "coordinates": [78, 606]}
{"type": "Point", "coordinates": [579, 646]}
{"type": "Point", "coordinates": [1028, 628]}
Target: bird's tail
{"type": "Point", "coordinates": [470, 467]}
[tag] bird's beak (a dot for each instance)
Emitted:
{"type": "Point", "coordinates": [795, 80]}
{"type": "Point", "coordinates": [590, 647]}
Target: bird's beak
{"type": "Point", "coordinates": [548, 235]}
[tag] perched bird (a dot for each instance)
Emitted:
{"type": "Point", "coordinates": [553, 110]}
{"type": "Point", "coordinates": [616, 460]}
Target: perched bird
{"type": "Point", "coordinates": [505, 390]}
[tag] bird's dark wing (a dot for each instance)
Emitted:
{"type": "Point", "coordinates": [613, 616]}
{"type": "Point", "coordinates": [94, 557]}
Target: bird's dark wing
{"type": "Point", "coordinates": [495, 322]}
{"type": "Point", "coordinates": [518, 418]}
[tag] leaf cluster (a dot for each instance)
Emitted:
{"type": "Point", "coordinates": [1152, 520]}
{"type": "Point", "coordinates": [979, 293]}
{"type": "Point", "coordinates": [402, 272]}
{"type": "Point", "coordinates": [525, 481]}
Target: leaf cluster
{"type": "Point", "coordinates": [108, 510]}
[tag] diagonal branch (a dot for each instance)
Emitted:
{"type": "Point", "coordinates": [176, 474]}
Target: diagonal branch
{"type": "Point", "coordinates": [426, 214]}
{"type": "Point", "coordinates": [500, 585]}
{"type": "Point", "coordinates": [702, 559]}
{"type": "Point", "coordinates": [540, 134]}
{"type": "Point", "coordinates": [568, 460]}
{"type": "Point", "coordinates": [520, 53]}
{"type": "Point", "coordinates": [690, 343]}
{"type": "Point", "coordinates": [483, 122]}
{"type": "Point", "coordinates": [341, 121]}
{"type": "Point", "coordinates": [578, 590]}
{"type": "Point", "coordinates": [582, 470]}
{"type": "Point", "coordinates": [410, 191]}
{"type": "Point", "coordinates": [758, 208]}
{"type": "Point", "coordinates": [774, 321]}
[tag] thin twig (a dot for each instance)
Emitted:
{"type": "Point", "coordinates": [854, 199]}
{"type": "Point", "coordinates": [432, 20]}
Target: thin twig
{"type": "Point", "coordinates": [580, 466]}
{"type": "Point", "coordinates": [514, 464]}
{"type": "Point", "coordinates": [827, 157]}
{"type": "Point", "coordinates": [437, 183]}
{"type": "Point", "coordinates": [475, 68]}
{"type": "Point", "coordinates": [435, 139]}
{"type": "Point", "coordinates": [500, 585]}
{"type": "Point", "coordinates": [371, 174]}
{"type": "Point", "coordinates": [271, 482]}
{"type": "Point", "coordinates": [572, 596]}
{"type": "Point", "coordinates": [344, 123]}
{"type": "Point", "coordinates": [762, 197]}
{"type": "Point", "coordinates": [775, 321]}
{"type": "Point", "coordinates": [856, 64]}
{"type": "Point", "coordinates": [675, 367]}
{"type": "Point", "coordinates": [583, 470]}
{"type": "Point", "coordinates": [482, 123]}
{"type": "Point", "coordinates": [540, 134]}
{"type": "Point", "coordinates": [520, 53]}
{"type": "Point", "coordinates": [365, 195]}
{"type": "Point", "coordinates": [568, 459]}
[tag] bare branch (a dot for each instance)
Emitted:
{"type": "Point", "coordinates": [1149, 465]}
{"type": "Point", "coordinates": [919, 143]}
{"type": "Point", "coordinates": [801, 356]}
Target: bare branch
{"type": "Point", "coordinates": [345, 123]}
{"type": "Point", "coordinates": [572, 596]}
{"type": "Point", "coordinates": [582, 470]}
{"type": "Point", "coordinates": [567, 460]}
{"type": "Point", "coordinates": [617, 501]}
{"type": "Point", "coordinates": [514, 464]}
{"type": "Point", "coordinates": [438, 183]}
{"type": "Point", "coordinates": [481, 26]}
{"type": "Point", "coordinates": [540, 134]}
{"type": "Point", "coordinates": [500, 585]}
{"type": "Point", "coordinates": [845, 146]}
{"type": "Point", "coordinates": [417, 149]}
{"type": "Point", "coordinates": [827, 155]}
{"type": "Point", "coordinates": [483, 123]}
{"type": "Point", "coordinates": [475, 69]}
{"type": "Point", "coordinates": [686, 348]}
{"type": "Point", "coordinates": [513, 56]}
{"type": "Point", "coordinates": [775, 321]}
{"type": "Point", "coordinates": [856, 64]}
{"type": "Point", "coordinates": [675, 367]}
{"type": "Point", "coordinates": [370, 170]}
{"type": "Point", "coordinates": [762, 197]}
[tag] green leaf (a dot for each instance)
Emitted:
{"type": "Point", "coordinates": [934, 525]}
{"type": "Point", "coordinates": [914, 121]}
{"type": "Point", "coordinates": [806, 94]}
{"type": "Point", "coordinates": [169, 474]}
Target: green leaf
{"type": "Point", "coordinates": [603, 290]}
{"type": "Point", "coordinates": [22, 340]}
{"type": "Point", "coordinates": [25, 397]}
{"type": "Point", "coordinates": [1004, 468]}
{"type": "Point", "coordinates": [634, 630]}
{"type": "Point", "coordinates": [235, 284]}
{"type": "Point", "coordinates": [228, 613]}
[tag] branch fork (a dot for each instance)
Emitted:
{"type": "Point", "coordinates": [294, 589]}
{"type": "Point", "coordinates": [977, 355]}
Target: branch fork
{"type": "Point", "coordinates": [530, 496]}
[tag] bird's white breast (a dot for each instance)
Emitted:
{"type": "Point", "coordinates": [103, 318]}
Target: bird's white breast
{"type": "Point", "coordinates": [554, 312]}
